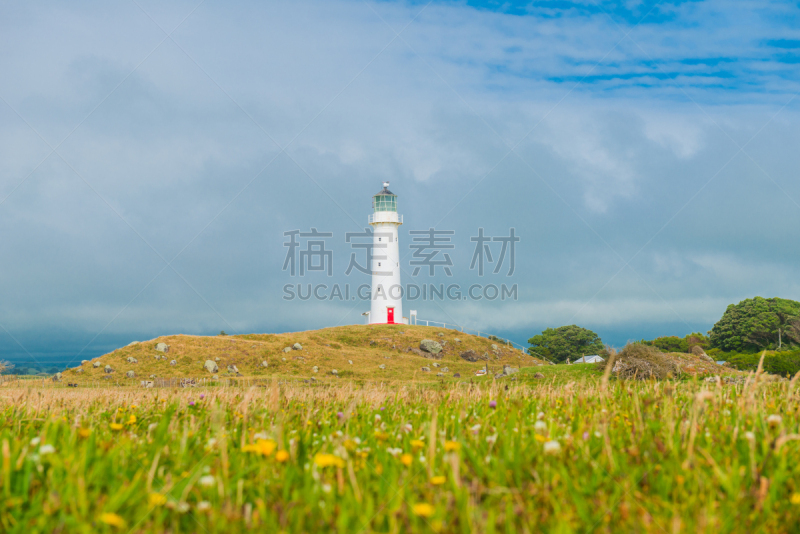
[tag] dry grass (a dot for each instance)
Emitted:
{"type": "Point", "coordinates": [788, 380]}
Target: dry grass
{"type": "Point", "coordinates": [367, 346]}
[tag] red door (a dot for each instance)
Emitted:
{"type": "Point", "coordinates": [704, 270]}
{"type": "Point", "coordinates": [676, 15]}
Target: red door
{"type": "Point", "coordinates": [390, 315]}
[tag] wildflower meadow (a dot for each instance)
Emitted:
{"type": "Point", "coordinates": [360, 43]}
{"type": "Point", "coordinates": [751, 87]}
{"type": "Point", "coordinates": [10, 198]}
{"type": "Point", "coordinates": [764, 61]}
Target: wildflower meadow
{"type": "Point", "coordinates": [588, 455]}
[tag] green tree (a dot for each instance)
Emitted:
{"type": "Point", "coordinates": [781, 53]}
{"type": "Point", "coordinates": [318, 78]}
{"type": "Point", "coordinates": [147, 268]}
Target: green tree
{"type": "Point", "coordinates": [564, 342]}
{"type": "Point", "coordinates": [758, 323]}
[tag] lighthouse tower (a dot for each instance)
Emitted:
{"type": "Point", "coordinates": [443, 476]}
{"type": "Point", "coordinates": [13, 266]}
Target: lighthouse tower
{"type": "Point", "coordinates": [387, 293]}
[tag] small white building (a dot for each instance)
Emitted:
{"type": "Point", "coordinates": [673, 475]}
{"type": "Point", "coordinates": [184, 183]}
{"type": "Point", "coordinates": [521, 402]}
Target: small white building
{"type": "Point", "coordinates": [594, 358]}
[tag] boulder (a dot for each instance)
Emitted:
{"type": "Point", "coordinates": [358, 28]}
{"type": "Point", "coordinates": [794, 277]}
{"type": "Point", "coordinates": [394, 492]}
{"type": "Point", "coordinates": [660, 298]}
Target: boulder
{"type": "Point", "coordinates": [216, 359]}
{"type": "Point", "coordinates": [264, 364]}
{"type": "Point", "coordinates": [173, 362]}
{"type": "Point", "coordinates": [426, 369]}
{"type": "Point", "coordinates": [84, 361]}
{"type": "Point", "coordinates": [287, 349]}
{"type": "Point", "coordinates": [233, 369]}
{"type": "Point", "coordinates": [96, 364]}
{"type": "Point", "coordinates": [315, 369]}
{"type": "Point", "coordinates": [436, 364]}
{"type": "Point", "coordinates": [147, 383]}
{"type": "Point", "coordinates": [215, 377]}
{"type": "Point", "coordinates": [297, 346]}
{"type": "Point", "coordinates": [132, 343]}
{"type": "Point", "coordinates": [162, 347]}
{"type": "Point", "coordinates": [472, 356]}
{"type": "Point", "coordinates": [131, 359]}
{"type": "Point", "coordinates": [445, 369]}
{"type": "Point", "coordinates": [57, 377]}
{"type": "Point", "coordinates": [152, 376]}
{"type": "Point", "coordinates": [130, 374]}
{"type": "Point", "coordinates": [211, 367]}
{"type": "Point", "coordinates": [494, 347]}
{"type": "Point", "coordinates": [430, 346]}
{"type": "Point", "coordinates": [456, 375]}
{"type": "Point", "coordinates": [457, 340]}
{"type": "Point", "coordinates": [382, 366]}
{"type": "Point", "coordinates": [538, 375]}
{"type": "Point", "coordinates": [350, 362]}
{"type": "Point", "coordinates": [108, 369]}
{"type": "Point", "coordinates": [78, 370]}
{"type": "Point", "coordinates": [334, 372]}
{"type": "Point", "coordinates": [439, 374]}
{"type": "Point", "coordinates": [440, 334]}
{"type": "Point", "coordinates": [509, 370]}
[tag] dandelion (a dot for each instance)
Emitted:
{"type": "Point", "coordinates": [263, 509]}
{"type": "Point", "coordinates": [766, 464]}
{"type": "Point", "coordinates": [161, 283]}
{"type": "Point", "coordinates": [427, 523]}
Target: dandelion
{"type": "Point", "coordinates": [328, 460]}
{"type": "Point", "coordinates": [552, 447]}
{"type": "Point", "coordinates": [438, 480]}
{"type": "Point", "coordinates": [157, 499]}
{"type": "Point", "coordinates": [406, 459]}
{"type": "Point", "coordinates": [795, 498]}
{"type": "Point", "coordinates": [282, 456]}
{"type": "Point", "coordinates": [417, 444]}
{"type": "Point", "coordinates": [774, 420]}
{"type": "Point", "coordinates": [84, 432]}
{"type": "Point", "coordinates": [492, 404]}
{"type": "Point", "coordinates": [112, 519]}
{"type": "Point", "coordinates": [46, 449]}
{"type": "Point", "coordinates": [423, 509]}
{"type": "Point", "coordinates": [116, 426]}
{"type": "Point", "coordinates": [207, 481]}
{"type": "Point", "coordinates": [132, 419]}
{"type": "Point", "coordinates": [451, 446]}
{"type": "Point", "coordinates": [264, 447]}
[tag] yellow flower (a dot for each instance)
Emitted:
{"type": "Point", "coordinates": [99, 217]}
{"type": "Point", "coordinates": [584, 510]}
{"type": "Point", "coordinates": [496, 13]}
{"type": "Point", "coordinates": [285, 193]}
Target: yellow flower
{"type": "Point", "coordinates": [328, 460]}
{"type": "Point", "coordinates": [679, 479]}
{"type": "Point", "coordinates": [406, 459]}
{"type": "Point", "coordinates": [112, 519]}
{"type": "Point", "coordinates": [796, 498]}
{"type": "Point", "coordinates": [381, 436]}
{"type": "Point", "coordinates": [264, 447]}
{"type": "Point", "coordinates": [132, 419]}
{"type": "Point", "coordinates": [417, 444]}
{"type": "Point", "coordinates": [450, 446]}
{"type": "Point", "coordinates": [350, 445]}
{"type": "Point", "coordinates": [540, 438]}
{"type": "Point", "coordinates": [116, 426]}
{"type": "Point", "coordinates": [156, 499]}
{"type": "Point", "coordinates": [423, 509]}
{"type": "Point", "coordinates": [282, 456]}
{"type": "Point", "coordinates": [84, 432]}
{"type": "Point", "coordinates": [438, 480]}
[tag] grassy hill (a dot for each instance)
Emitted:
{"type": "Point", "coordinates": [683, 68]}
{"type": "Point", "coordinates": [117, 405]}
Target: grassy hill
{"type": "Point", "coordinates": [366, 346]}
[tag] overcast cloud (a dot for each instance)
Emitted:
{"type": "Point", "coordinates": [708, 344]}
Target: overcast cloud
{"type": "Point", "coordinates": [152, 155]}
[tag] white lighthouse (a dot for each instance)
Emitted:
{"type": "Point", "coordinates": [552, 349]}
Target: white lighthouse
{"type": "Point", "coordinates": [387, 293]}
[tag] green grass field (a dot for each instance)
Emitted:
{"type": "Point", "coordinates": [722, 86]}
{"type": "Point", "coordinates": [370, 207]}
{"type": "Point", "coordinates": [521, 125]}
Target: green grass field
{"type": "Point", "coordinates": [567, 453]}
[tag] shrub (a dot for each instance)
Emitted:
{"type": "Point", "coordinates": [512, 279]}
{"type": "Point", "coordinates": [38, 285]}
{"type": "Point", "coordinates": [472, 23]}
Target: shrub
{"type": "Point", "coordinates": [779, 363]}
{"type": "Point", "coordinates": [643, 362]}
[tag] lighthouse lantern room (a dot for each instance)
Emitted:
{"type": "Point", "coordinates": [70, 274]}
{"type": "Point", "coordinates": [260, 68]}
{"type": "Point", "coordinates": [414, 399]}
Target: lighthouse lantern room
{"type": "Point", "coordinates": [387, 293]}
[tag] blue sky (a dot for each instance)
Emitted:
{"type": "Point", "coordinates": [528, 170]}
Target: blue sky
{"type": "Point", "coordinates": [154, 153]}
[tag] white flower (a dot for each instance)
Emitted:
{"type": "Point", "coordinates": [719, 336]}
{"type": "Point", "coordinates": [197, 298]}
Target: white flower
{"type": "Point", "coordinates": [260, 435]}
{"type": "Point", "coordinates": [552, 447]}
{"type": "Point", "coordinates": [394, 451]}
{"type": "Point", "coordinates": [540, 426]}
{"type": "Point", "coordinates": [750, 436]}
{"type": "Point", "coordinates": [491, 439]}
{"type": "Point", "coordinates": [46, 449]}
{"type": "Point", "coordinates": [207, 481]}
{"type": "Point", "coordinates": [475, 429]}
{"type": "Point", "coordinates": [357, 440]}
{"type": "Point", "coordinates": [35, 442]}
{"type": "Point", "coordinates": [377, 417]}
{"type": "Point", "coordinates": [774, 420]}
{"type": "Point", "coordinates": [339, 433]}
{"type": "Point", "coordinates": [182, 507]}
{"type": "Point", "coordinates": [202, 506]}
{"type": "Point", "coordinates": [211, 443]}
{"type": "Point", "coordinates": [407, 427]}
{"type": "Point", "coordinates": [597, 434]}
{"type": "Point", "coordinates": [488, 459]}
{"type": "Point", "coordinates": [540, 415]}
{"type": "Point", "coordinates": [326, 488]}
{"type": "Point", "coordinates": [421, 459]}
